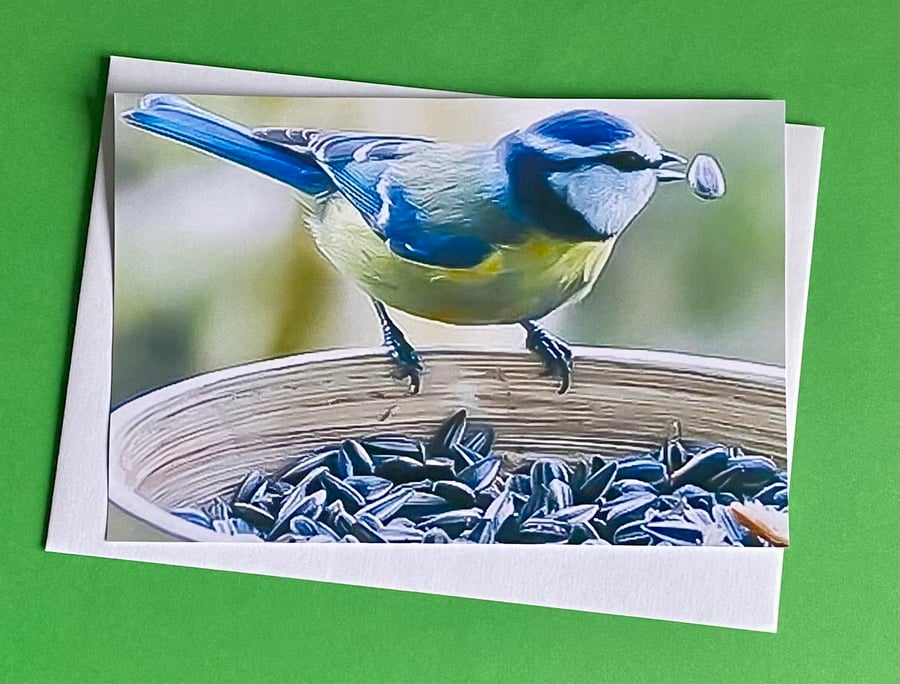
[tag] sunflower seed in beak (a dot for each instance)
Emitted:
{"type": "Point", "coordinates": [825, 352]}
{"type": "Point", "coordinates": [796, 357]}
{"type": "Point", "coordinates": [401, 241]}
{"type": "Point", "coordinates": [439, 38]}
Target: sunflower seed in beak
{"type": "Point", "coordinates": [705, 177]}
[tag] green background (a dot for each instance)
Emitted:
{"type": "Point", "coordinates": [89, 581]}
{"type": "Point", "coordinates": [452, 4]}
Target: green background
{"type": "Point", "coordinates": [83, 619]}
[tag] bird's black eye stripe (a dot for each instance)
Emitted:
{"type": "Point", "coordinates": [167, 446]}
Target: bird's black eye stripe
{"type": "Point", "coordinates": [626, 161]}
{"type": "Point", "coordinates": [621, 161]}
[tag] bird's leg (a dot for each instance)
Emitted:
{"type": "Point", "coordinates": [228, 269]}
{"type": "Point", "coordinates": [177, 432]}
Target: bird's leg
{"type": "Point", "coordinates": [557, 357]}
{"type": "Point", "coordinates": [405, 357]}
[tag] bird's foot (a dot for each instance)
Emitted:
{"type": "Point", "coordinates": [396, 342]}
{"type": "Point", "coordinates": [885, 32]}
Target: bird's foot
{"type": "Point", "coordinates": [406, 360]}
{"type": "Point", "coordinates": [557, 357]}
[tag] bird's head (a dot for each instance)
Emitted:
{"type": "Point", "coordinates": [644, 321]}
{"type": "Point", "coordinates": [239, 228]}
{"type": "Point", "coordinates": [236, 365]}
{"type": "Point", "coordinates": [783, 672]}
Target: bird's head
{"type": "Point", "coordinates": [585, 173]}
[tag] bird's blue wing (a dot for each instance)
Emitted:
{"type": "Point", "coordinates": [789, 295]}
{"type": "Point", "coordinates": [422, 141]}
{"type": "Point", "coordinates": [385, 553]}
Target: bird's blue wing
{"type": "Point", "coordinates": [412, 234]}
{"type": "Point", "coordinates": [360, 165]}
{"type": "Point", "coordinates": [354, 161]}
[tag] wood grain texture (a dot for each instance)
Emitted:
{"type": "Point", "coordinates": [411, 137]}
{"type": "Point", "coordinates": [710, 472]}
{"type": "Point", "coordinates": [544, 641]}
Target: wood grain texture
{"type": "Point", "coordinates": [196, 439]}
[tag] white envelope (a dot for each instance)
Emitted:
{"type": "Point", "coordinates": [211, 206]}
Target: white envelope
{"type": "Point", "coordinates": [732, 587]}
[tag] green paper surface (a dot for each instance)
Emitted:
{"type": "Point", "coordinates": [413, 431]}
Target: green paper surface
{"type": "Point", "coordinates": [84, 619]}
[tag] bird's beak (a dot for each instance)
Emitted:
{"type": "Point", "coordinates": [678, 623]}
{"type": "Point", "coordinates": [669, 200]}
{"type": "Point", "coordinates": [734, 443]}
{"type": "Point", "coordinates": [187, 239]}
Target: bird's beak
{"type": "Point", "coordinates": [669, 170]}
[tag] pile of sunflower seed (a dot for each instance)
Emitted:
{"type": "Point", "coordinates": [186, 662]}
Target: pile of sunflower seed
{"type": "Point", "coordinates": [389, 488]}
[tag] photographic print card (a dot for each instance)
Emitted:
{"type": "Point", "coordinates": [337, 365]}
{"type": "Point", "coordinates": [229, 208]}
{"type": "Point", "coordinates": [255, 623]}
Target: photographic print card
{"type": "Point", "coordinates": [480, 238]}
{"type": "Point", "coordinates": [737, 587]}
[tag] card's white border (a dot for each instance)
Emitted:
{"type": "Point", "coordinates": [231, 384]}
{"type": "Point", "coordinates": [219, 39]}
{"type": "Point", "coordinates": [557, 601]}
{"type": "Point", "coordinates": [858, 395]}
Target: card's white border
{"type": "Point", "coordinates": [727, 587]}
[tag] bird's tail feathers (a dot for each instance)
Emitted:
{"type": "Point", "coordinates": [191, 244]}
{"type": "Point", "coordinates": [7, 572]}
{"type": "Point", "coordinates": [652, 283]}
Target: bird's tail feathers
{"type": "Point", "coordinates": [175, 118]}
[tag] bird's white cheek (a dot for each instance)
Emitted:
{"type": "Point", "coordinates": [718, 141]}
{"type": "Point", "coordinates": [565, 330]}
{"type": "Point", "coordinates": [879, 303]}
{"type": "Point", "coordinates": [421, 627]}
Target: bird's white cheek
{"type": "Point", "coordinates": [643, 185]}
{"type": "Point", "coordinates": [608, 199]}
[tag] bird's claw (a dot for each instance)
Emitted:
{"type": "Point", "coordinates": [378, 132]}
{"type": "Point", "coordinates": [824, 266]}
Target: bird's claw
{"type": "Point", "coordinates": [557, 357]}
{"type": "Point", "coordinates": [406, 360]}
{"type": "Point", "coordinates": [408, 364]}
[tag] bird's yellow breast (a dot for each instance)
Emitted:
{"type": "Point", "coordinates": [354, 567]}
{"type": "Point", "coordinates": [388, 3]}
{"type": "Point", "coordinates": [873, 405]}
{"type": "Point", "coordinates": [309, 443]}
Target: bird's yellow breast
{"type": "Point", "coordinates": [516, 282]}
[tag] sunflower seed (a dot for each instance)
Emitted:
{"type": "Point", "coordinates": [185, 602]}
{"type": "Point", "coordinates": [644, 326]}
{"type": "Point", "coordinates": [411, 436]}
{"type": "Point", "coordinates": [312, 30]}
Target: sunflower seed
{"type": "Point", "coordinates": [267, 496]}
{"type": "Point", "coordinates": [544, 531]}
{"type": "Point", "coordinates": [370, 487]}
{"type": "Point", "coordinates": [632, 533]}
{"type": "Point", "coordinates": [559, 495]}
{"type": "Point", "coordinates": [439, 468]}
{"type": "Point", "coordinates": [481, 474]}
{"type": "Point", "coordinates": [627, 508]}
{"type": "Point", "coordinates": [310, 482]}
{"type": "Point", "coordinates": [449, 433]}
{"type": "Point", "coordinates": [705, 177]}
{"type": "Point", "coordinates": [544, 470]}
{"type": "Point", "coordinates": [701, 467]}
{"type": "Point", "coordinates": [347, 495]}
{"type": "Point", "coordinates": [259, 517]}
{"type": "Point", "coordinates": [325, 532]}
{"type": "Point", "coordinates": [343, 523]}
{"type": "Point", "coordinates": [574, 515]}
{"type": "Point", "coordinates": [582, 533]}
{"type": "Point", "coordinates": [579, 475]}
{"type": "Point", "coordinates": [300, 468]}
{"type": "Point", "coordinates": [744, 475]}
{"type": "Point", "coordinates": [366, 532]}
{"type": "Point", "coordinates": [644, 469]}
{"type": "Point", "coordinates": [382, 509]}
{"type": "Point", "coordinates": [676, 532]}
{"type": "Point", "coordinates": [499, 511]}
{"type": "Point", "coordinates": [453, 523]}
{"type": "Point", "coordinates": [456, 493]}
{"type": "Point", "coordinates": [725, 498]}
{"type": "Point", "coordinates": [248, 486]}
{"type": "Point", "coordinates": [767, 494]}
{"type": "Point", "coordinates": [339, 464]}
{"type": "Point", "coordinates": [520, 484]}
{"type": "Point", "coordinates": [400, 469]}
{"type": "Point", "coordinates": [297, 504]}
{"type": "Point", "coordinates": [278, 487]}
{"type": "Point", "coordinates": [596, 486]}
{"type": "Point", "coordinates": [623, 487]}
{"type": "Point", "coordinates": [401, 535]}
{"type": "Point", "coordinates": [421, 505]}
{"type": "Point", "coordinates": [672, 454]}
{"type": "Point", "coordinates": [359, 458]}
{"type": "Point", "coordinates": [695, 496]}
{"type": "Point", "coordinates": [536, 503]}
{"type": "Point", "coordinates": [303, 526]}
{"type": "Point", "coordinates": [380, 446]}
{"type": "Point", "coordinates": [463, 457]}
{"type": "Point", "coordinates": [479, 438]}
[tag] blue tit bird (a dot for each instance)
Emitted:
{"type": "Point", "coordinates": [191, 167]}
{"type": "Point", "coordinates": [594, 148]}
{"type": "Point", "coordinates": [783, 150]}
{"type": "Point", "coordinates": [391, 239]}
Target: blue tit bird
{"type": "Point", "coordinates": [476, 234]}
